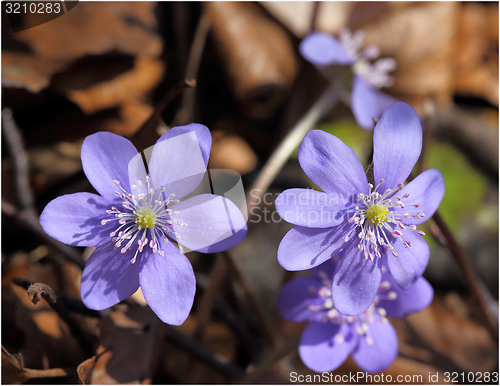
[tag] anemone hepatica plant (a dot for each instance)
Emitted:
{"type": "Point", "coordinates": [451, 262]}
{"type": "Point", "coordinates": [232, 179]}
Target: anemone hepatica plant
{"type": "Point", "coordinates": [325, 52]}
{"type": "Point", "coordinates": [365, 225]}
{"type": "Point", "coordinates": [331, 336]}
{"type": "Point", "coordinates": [138, 216]}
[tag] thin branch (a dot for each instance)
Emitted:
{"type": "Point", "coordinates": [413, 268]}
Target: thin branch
{"type": "Point", "coordinates": [185, 113]}
{"type": "Point", "coordinates": [154, 121]}
{"type": "Point", "coordinates": [21, 166]}
{"type": "Point", "coordinates": [28, 215]}
{"type": "Point", "coordinates": [314, 16]}
{"type": "Point", "coordinates": [202, 353]}
{"type": "Point", "coordinates": [267, 364]}
{"type": "Point", "coordinates": [471, 278]}
{"type": "Point", "coordinates": [264, 323]}
{"type": "Point", "coordinates": [205, 308]}
{"type": "Point", "coordinates": [279, 157]}
{"type": "Point", "coordinates": [29, 219]}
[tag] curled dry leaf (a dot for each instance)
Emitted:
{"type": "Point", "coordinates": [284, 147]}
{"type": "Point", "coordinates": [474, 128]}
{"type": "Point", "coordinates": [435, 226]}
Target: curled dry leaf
{"type": "Point", "coordinates": [13, 370]}
{"type": "Point", "coordinates": [262, 69]}
{"type": "Point", "coordinates": [121, 88]}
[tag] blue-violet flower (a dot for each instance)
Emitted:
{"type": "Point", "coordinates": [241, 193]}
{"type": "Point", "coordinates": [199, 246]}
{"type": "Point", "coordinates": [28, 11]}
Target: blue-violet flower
{"type": "Point", "coordinates": [366, 226]}
{"type": "Point", "coordinates": [325, 52]}
{"type": "Point", "coordinates": [331, 336]}
{"type": "Point", "coordinates": [138, 213]}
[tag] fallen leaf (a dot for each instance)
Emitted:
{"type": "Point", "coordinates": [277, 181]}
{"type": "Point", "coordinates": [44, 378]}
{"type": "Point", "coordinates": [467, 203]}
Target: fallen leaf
{"type": "Point", "coordinates": [91, 28]}
{"type": "Point", "coordinates": [262, 69]}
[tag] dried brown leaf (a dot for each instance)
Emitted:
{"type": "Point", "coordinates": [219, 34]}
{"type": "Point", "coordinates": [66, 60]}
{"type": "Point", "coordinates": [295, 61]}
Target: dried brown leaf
{"type": "Point", "coordinates": [467, 344]}
{"type": "Point", "coordinates": [257, 53]}
{"type": "Point", "coordinates": [121, 88]}
{"type": "Point", "coordinates": [13, 370]}
{"type": "Point", "coordinates": [91, 28]}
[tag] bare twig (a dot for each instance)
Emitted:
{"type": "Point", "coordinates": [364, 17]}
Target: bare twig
{"type": "Point", "coordinates": [18, 154]}
{"type": "Point", "coordinates": [28, 215]}
{"type": "Point", "coordinates": [471, 279]}
{"type": "Point", "coordinates": [14, 372]}
{"type": "Point", "coordinates": [206, 304]}
{"type": "Point", "coordinates": [271, 361]}
{"type": "Point", "coordinates": [154, 121]}
{"type": "Point", "coordinates": [37, 291]}
{"type": "Point", "coordinates": [265, 324]}
{"type": "Point", "coordinates": [314, 16]}
{"type": "Point", "coordinates": [279, 157]}
{"type": "Point", "coordinates": [186, 112]}
{"type": "Point", "coordinates": [29, 219]}
{"type": "Point", "coordinates": [202, 353]}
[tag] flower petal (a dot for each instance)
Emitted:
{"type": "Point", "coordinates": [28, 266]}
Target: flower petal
{"type": "Point", "coordinates": [214, 223]}
{"type": "Point", "coordinates": [426, 190]}
{"type": "Point", "coordinates": [105, 157]}
{"type": "Point", "coordinates": [367, 102]}
{"type": "Point", "coordinates": [310, 208]}
{"type": "Point", "coordinates": [305, 248]}
{"type": "Point", "coordinates": [332, 165]}
{"type": "Point", "coordinates": [179, 159]}
{"type": "Point", "coordinates": [411, 262]}
{"type": "Point", "coordinates": [323, 49]}
{"type": "Point", "coordinates": [414, 299]}
{"type": "Point", "coordinates": [325, 346]}
{"type": "Point", "coordinates": [75, 219]}
{"type": "Point", "coordinates": [397, 143]}
{"type": "Point", "coordinates": [378, 355]}
{"type": "Point", "coordinates": [296, 296]}
{"type": "Point", "coordinates": [355, 282]}
{"type": "Point", "coordinates": [108, 277]}
{"type": "Point", "coordinates": [168, 284]}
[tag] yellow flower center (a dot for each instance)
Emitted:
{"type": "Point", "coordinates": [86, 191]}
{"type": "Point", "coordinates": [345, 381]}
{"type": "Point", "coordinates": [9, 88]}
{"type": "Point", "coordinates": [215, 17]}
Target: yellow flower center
{"type": "Point", "coordinates": [377, 214]}
{"type": "Point", "coordinates": [145, 218]}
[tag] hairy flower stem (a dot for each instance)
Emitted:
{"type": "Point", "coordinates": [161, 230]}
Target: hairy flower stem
{"type": "Point", "coordinates": [279, 157]}
{"type": "Point", "coordinates": [471, 279]}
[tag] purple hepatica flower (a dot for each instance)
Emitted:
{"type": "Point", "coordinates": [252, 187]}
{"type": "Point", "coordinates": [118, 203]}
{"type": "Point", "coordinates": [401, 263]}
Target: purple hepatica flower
{"type": "Point", "coordinates": [365, 226]}
{"type": "Point", "coordinates": [137, 212]}
{"type": "Point", "coordinates": [324, 51]}
{"type": "Point", "coordinates": [331, 336]}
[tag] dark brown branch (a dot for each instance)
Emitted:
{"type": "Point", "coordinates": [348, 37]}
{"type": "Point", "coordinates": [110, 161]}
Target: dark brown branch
{"type": "Point", "coordinates": [21, 166]}
{"type": "Point", "coordinates": [265, 324]}
{"type": "Point", "coordinates": [205, 308]}
{"type": "Point", "coordinates": [267, 364]}
{"type": "Point", "coordinates": [202, 353]}
{"type": "Point", "coordinates": [314, 16]}
{"type": "Point", "coordinates": [154, 121]}
{"type": "Point", "coordinates": [29, 219]}
{"type": "Point", "coordinates": [471, 279]}
{"type": "Point", "coordinates": [186, 112]}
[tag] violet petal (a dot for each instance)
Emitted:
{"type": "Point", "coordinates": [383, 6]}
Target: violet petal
{"type": "Point", "coordinates": [378, 355]}
{"type": "Point", "coordinates": [325, 346]}
{"type": "Point", "coordinates": [332, 165]}
{"type": "Point", "coordinates": [108, 277]}
{"type": "Point", "coordinates": [105, 158]}
{"type": "Point", "coordinates": [168, 283]}
{"type": "Point", "coordinates": [310, 208]}
{"type": "Point", "coordinates": [355, 282]}
{"type": "Point", "coordinates": [397, 143]}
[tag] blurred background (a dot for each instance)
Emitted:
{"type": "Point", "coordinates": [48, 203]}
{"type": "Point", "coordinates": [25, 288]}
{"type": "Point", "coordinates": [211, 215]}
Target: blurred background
{"type": "Point", "coordinates": [120, 67]}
